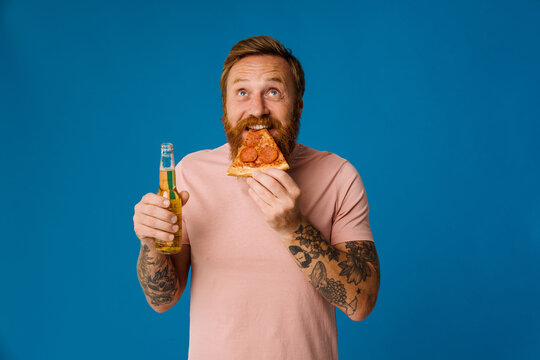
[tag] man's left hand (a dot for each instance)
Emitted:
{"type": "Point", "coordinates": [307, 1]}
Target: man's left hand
{"type": "Point", "coordinates": [277, 194]}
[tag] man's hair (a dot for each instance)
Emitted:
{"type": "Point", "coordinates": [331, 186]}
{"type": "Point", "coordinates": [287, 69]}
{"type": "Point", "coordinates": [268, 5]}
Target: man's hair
{"type": "Point", "coordinates": [262, 45]}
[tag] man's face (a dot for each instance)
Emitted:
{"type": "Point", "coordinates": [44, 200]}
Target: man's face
{"type": "Point", "coordinates": [261, 91]}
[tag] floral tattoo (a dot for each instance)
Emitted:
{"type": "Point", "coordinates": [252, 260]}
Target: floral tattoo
{"type": "Point", "coordinates": [311, 238]}
{"type": "Point", "coordinates": [356, 267]}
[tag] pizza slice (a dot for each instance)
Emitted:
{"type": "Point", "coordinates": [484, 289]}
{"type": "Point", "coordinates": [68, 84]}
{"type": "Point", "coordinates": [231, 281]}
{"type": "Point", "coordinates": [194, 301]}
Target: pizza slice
{"type": "Point", "coordinates": [258, 151]}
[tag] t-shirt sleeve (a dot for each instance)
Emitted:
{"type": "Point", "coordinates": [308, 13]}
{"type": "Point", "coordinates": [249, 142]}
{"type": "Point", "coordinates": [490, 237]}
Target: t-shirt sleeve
{"type": "Point", "coordinates": [180, 186]}
{"type": "Point", "coordinates": [351, 217]}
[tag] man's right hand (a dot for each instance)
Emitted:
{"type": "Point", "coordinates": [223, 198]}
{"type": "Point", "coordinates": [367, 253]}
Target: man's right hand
{"type": "Point", "coordinates": [153, 220]}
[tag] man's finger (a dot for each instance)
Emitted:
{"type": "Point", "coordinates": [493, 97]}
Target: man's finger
{"type": "Point", "coordinates": [283, 178]}
{"type": "Point", "coordinates": [158, 224]}
{"type": "Point", "coordinates": [270, 183]}
{"type": "Point", "coordinates": [261, 192]}
{"type": "Point", "coordinates": [260, 202]}
{"type": "Point", "coordinates": [149, 232]}
{"type": "Point", "coordinates": [184, 195]}
{"type": "Point", "coordinates": [153, 199]}
{"type": "Point", "coordinates": [158, 213]}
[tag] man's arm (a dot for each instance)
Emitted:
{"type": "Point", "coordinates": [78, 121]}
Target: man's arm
{"type": "Point", "coordinates": [163, 278]}
{"type": "Point", "coordinates": [346, 274]}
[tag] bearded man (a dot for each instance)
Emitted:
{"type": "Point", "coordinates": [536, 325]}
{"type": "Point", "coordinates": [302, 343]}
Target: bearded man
{"type": "Point", "coordinates": [271, 255]}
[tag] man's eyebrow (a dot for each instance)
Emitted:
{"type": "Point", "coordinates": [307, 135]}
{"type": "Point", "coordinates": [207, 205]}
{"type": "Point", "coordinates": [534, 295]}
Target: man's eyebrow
{"type": "Point", "coordinates": [238, 80]}
{"type": "Point", "coordinates": [277, 79]}
{"type": "Point", "coordinates": [274, 78]}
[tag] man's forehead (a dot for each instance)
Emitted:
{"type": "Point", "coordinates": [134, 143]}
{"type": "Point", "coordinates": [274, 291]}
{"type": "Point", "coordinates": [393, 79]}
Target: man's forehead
{"type": "Point", "coordinates": [260, 67]}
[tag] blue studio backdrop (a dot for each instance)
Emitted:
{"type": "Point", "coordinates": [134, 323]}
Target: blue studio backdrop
{"type": "Point", "coordinates": [435, 103]}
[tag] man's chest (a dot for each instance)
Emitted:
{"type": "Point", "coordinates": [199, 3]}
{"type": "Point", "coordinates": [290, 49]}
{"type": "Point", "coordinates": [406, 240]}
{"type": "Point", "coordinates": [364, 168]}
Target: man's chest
{"type": "Point", "coordinates": [226, 226]}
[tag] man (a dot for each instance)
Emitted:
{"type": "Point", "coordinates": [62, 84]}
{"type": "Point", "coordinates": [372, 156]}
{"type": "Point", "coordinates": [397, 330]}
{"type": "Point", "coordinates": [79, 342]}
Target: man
{"type": "Point", "coordinates": [273, 255]}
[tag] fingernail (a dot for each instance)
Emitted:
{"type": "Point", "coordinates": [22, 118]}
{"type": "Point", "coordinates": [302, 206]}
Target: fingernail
{"type": "Point", "coordinates": [166, 202]}
{"type": "Point", "coordinates": [175, 228]}
{"type": "Point", "coordinates": [171, 237]}
{"type": "Point", "coordinates": [174, 218]}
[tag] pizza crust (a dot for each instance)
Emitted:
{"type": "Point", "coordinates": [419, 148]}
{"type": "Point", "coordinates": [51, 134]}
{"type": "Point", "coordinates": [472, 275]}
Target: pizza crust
{"type": "Point", "coordinates": [245, 171]}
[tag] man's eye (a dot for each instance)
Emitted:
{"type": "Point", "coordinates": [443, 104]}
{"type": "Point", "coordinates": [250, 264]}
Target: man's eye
{"type": "Point", "coordinates": [242, 92]}
{"type": "Point", "coordinates": [273, 92]}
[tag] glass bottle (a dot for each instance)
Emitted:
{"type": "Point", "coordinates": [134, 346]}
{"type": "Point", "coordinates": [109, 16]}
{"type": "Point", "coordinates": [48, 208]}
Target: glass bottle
{"type": "Point", "coordinates": [167, 189]}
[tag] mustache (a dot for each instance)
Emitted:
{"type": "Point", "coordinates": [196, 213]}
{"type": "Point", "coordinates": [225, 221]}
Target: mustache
{"type": "Point", "coordinates": [265, 120]}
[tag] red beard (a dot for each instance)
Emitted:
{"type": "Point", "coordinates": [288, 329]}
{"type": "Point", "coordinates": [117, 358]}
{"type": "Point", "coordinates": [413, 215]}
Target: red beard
{"type": "Point", "coordinates": [285, 136]}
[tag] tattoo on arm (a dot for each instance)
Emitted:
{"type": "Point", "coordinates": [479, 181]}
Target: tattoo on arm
{"type": "Point", "coordinates": [302, 257]}
{"type": "Point", "coordinates": [353, 267]}
{"type": "Point", "coordinates": [356, 266]}
{"type": "Point", "coordinates": [333, 290]}
{"type": "Point", "coordinates": [161, 284]}
{"type": "Point", "coordinates": [313, 242]}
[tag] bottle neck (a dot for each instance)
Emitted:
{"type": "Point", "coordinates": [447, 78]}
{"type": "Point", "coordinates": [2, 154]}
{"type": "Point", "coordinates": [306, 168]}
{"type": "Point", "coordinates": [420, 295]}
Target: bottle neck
{"type": "Point", "coordinates": [167, 176]}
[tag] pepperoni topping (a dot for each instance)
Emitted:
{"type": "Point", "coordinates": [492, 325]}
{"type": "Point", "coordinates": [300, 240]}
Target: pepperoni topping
{"type": "Point", "coordinates": [248, 154]}
{"type": "Point", "coordinates": [268, 154]}
{"type": "Point", "coordinates": [252, 138]}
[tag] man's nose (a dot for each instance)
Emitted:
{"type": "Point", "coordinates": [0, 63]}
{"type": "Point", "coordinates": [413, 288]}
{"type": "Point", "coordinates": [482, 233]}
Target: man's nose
{"type": "Point", "coordinates": [258, 106]}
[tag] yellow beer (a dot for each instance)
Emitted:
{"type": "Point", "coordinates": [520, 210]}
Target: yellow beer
{"type": "Point", "coordinates": [167, 189]}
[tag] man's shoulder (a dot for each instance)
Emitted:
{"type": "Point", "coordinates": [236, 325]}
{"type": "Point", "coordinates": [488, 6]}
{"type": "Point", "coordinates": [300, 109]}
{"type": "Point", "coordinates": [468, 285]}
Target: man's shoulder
{"type": "Point", "coordinates": [205, 162]}
{"type": "Point", "coordinates": [217, 154]}
{"type": "Point", "coordinates": [306, 156]}
{"type": "Point", "coordinates": [321, 164]}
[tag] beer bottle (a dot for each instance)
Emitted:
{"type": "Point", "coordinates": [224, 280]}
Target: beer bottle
{"type": "Point", "coordinates": [167, 189]}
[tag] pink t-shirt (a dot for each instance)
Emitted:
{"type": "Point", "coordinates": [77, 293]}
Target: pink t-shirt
{"type": "Point", "coordinates": [249, 299]}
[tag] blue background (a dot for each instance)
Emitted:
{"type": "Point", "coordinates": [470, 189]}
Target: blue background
{"type": "Point", "coordinates": [435, 103]}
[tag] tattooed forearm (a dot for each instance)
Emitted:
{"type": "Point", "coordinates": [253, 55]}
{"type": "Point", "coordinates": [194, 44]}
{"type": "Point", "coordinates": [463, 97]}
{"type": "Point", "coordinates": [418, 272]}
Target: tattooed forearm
{"type": "Point", "coordinates": [344, 278]}
{"type": "Point", "coordinates": [312, 242]}
{"type": "Point", "coordinates": [302, 257]}
{"type": "Point", "coordinates": [332, 290]}
{"type": "Point", "coordinates": [158, 277]}
{"type": "Point", "coordinates": [361, 262]}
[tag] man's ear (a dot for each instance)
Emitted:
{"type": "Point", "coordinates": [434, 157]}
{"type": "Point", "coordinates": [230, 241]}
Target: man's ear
{"type": "Point", "coordinates": [300, 107]}
{"type": "Point", "coordinates": [224, 107]}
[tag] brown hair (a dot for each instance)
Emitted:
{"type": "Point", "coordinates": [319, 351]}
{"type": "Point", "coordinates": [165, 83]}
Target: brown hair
{"type": "Point", "coordinates": [262, 45]}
